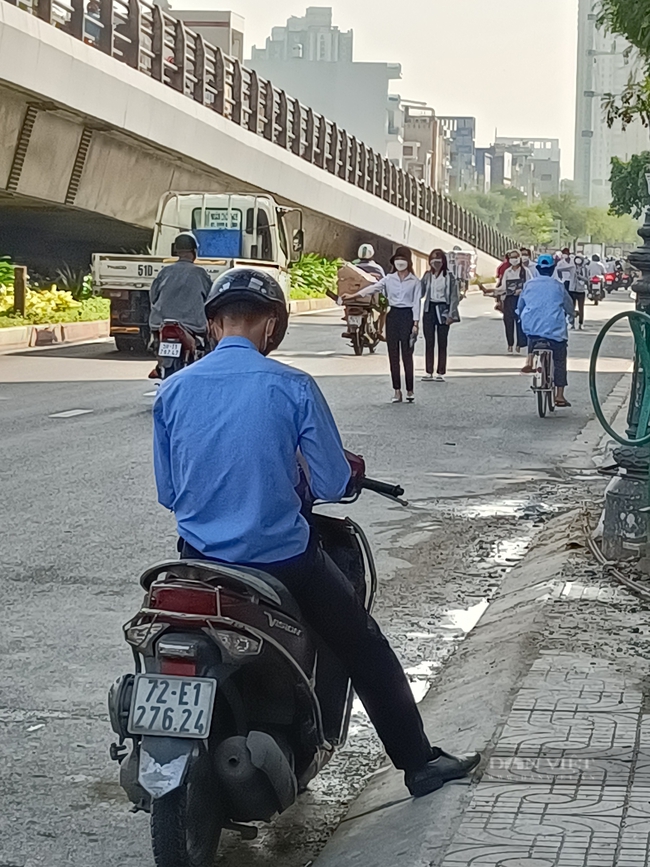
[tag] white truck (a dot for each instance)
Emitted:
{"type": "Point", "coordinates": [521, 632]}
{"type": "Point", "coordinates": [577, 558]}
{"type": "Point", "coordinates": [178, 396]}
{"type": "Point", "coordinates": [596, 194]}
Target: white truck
{"type": "Point", "coordinates": [231, 229]}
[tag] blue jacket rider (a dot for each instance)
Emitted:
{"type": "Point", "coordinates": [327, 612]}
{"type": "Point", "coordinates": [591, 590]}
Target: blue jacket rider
{"type": "Point", "coordinates": [227, 432]}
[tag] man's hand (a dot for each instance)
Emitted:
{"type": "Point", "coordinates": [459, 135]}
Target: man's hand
{"type": "Point", "coordinates": [449, 321]}
{"type": "Point", "coordinates": [416, 327]}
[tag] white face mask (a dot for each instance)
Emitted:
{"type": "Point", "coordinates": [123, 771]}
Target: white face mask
{"type": "Point", "coordinates": [436, 263]}
{"type": "Point", "coordinates": [515, 262]}
{"type": "Point", "coordinates": [526, 260]}
{"type": "Point", "coordinates": [401, 264]}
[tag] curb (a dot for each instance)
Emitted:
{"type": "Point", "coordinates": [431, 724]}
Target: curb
{"type": "Point", "coordinates": [26, 336]}
{"type": "Point", "coordinates": [305, 305]}
{"type": "Point", "coordinates": [465, 710]}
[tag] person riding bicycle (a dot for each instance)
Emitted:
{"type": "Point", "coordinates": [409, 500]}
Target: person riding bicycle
{"type": "Point", "coordinates": [543, 308]}
{"type": "Point", "coordinates": [228, 432]}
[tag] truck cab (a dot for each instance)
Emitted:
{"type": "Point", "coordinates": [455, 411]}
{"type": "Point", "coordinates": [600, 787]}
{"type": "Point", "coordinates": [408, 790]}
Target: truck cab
{"type": "Point", "coordinates": [232, 229]}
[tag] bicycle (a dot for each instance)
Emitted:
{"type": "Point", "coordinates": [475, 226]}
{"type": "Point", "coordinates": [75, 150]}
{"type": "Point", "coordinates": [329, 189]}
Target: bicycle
{"type": "Point", "coordinates": [543, 378]}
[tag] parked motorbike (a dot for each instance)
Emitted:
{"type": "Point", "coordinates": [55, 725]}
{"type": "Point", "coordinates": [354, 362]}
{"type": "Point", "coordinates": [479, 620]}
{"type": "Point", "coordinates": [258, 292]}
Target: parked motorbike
{"type": "Point", "coordinates": [177, 348]}
{"type": "Point", "coordinates": [595, 290]}
{"type": "Point", "coordinates": [362, 317]}
{"type": "Point", "coordinates": [235, 705]}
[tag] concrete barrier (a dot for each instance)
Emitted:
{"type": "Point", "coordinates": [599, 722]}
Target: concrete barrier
{"type": "Point", "coordinates": [307, 304]}
{"type": "Point", "coordinates": [24, 336]}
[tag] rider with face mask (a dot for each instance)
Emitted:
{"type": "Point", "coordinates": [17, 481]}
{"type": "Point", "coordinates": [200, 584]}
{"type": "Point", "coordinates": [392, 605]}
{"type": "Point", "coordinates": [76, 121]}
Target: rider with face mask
{"type": "Point", "coordinates": [508, 290]}
{"type": "Point", "coordinates": [401, 288]}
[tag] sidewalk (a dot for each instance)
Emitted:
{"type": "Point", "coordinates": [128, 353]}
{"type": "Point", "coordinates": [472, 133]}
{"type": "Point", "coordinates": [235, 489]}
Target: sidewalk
{"type": "Point", "coordinates": [550, 687]}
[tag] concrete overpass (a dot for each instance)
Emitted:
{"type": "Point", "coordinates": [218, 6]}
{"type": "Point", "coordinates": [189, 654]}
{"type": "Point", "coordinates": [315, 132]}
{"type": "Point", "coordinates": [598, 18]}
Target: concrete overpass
{"type": "Point", "coordinates": [100, 114]}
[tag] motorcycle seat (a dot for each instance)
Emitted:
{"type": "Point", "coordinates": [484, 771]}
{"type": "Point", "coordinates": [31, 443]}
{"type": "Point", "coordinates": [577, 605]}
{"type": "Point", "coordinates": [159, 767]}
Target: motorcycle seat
{"type": "Point", "coordinates": [266, 586]}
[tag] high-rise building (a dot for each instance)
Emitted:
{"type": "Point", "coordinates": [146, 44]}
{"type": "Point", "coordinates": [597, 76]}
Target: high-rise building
{"type": "Point", "coordinates": [462, 132]}
{"type": "Point", "coordinates": [605, 63]}
{"type": "Point", "coordinates": [539, 160]}
{"type": "Point", "coordinates": [312, 60]}
{"type": "Point", "coordinates": [427, 146]}
{"type": "Point", "coordinates": [223, 29]}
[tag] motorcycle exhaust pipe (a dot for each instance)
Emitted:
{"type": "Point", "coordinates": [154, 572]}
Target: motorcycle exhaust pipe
{"type": "Point", "coordinates": [255, 776]}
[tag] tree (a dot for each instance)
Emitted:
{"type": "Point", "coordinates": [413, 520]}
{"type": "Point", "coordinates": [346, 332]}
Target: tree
{"type": "Point", "coordinates": [497, 208]}
{"type": "Point", "coordinates": [631, 19]}
{"type": "Point", "coordinates": [606, 228]}
{"type": "Point", "coordinates": [533, 224]}
{"type": "Point", "coordinates": [629, 186]}
{"type": "Point", "coordinates": [571, 213]}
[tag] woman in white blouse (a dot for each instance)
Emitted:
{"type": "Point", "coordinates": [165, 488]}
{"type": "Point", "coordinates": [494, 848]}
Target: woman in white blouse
{"type": "Point", "coordinates": [441, 299]}
{"type": "Point", "coordinates": [402, 290]}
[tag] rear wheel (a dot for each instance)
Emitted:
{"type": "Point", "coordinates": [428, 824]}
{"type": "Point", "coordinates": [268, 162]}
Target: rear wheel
{"type": "Point", "coordinates": [186, 824]}
{"type": "Point", "coordinates": [357, 342]}
{"type": "Point", "coordinates": [541, 404]}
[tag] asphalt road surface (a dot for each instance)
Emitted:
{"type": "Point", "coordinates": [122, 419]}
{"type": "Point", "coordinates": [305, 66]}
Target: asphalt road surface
{"type": "Point", "coordinates": [80, 522]}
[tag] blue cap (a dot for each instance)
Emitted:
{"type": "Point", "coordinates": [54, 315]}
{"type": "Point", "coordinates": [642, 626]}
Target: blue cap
{"type": "Point", "coordinates": [545, 260]}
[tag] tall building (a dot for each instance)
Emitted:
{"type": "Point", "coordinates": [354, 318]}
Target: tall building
{"type": "Point", "coordinates": [605, 63]}
{"type": "Point", "coordinates": [312, 60]}
{"type": "Point", "coordinates": [462, 133]}
{"type": "Point", "coordinates": [541, 157]}
{"type": "Point", "coordinates": [427, 146]}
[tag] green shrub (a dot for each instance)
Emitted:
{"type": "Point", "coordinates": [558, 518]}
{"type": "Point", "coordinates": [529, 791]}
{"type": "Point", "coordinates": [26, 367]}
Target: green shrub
{"type": "Point", "coordinates": [313, 275]}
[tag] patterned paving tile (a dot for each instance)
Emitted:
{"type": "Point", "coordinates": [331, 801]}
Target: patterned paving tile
{"type": "Point", "coordinates": [579, 697]}
{"type": "Point", "coordinates": [540, 733]}
{"type": "Point", "coordinates": [548, 800]}
{"type": "Point", "coordinates": [639, 801]}
{"type": "Point", "coordinates": [560, 769]}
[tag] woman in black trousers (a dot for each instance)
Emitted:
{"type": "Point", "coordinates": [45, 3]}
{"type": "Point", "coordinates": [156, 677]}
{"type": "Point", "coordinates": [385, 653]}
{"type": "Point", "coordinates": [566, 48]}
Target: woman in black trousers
{"type": "Point", "coordinates": [441, 300]}
{"type": "Point", "coordinates": [402, 290]}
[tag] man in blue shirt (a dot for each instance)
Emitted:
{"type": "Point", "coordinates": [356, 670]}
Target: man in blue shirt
{"type": "Point", "coordinates": [227, 434]}
{"type": "Point", "coordinates": [543, 309]}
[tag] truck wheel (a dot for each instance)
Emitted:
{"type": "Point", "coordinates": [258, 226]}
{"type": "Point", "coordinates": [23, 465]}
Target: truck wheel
{"type": "Point", "coordinates": [186, 824]}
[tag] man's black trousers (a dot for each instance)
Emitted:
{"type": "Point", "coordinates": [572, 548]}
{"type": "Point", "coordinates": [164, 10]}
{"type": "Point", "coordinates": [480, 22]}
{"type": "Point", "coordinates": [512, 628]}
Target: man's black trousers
{"type": "Point", "coordinates": [331, 607]}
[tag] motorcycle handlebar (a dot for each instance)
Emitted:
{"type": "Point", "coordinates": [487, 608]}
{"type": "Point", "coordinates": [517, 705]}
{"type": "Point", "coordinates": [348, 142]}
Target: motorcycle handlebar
{"type": "Point", "coordinates": [394, 491]}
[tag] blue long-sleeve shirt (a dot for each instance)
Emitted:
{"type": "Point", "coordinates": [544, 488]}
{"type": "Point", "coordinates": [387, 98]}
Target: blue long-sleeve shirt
{"type": "Point", "coordinates": [543, 308]}
{"type": "Point", "coordinates": [227, 431]}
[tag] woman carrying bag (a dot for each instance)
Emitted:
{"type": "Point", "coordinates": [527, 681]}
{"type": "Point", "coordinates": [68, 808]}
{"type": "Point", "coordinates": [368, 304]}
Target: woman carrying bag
{"type": "Point", "coordinates": [439, 289]}
{"type": "Point", "coordinates": [402, 291]}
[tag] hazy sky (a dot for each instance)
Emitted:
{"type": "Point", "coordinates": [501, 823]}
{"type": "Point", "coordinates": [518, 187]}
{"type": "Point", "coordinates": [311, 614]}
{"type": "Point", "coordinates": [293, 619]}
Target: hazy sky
{"type": "Point", "coordinates": [509, 63]}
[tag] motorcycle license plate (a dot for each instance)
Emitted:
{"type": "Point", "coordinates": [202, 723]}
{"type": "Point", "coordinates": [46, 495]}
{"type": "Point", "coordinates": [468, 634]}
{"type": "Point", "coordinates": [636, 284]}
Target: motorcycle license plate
{"type": "Point", "coordinates": [172, 706]}
{"type": "Point", "coordinates": [355, 320]}
{"type": "Point", "coordinates": [169, 350]}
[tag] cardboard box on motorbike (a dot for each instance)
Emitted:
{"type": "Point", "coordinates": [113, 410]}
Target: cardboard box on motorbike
{"type": "Point", "coordinates": [351, 279]}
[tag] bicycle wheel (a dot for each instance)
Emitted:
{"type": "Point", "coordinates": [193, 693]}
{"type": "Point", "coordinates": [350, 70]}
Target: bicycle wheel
{"type": "Point", "coordinates": [550, 395]}
{"type": "Point", "coordinates": [541, 403]}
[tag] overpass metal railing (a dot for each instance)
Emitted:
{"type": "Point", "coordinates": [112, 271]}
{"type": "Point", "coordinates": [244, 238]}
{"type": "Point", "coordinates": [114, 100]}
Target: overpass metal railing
{"type": "Point", "coordinates": [142, 35]}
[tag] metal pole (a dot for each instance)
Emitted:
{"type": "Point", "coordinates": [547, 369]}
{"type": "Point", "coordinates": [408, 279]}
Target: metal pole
{"type": "Point", "coordinates": [20, 289]}
{"type": "Point", "coordinates": [625, 531]}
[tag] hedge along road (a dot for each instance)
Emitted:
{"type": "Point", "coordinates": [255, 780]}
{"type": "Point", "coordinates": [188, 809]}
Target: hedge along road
{"type": "Point", "coordinates": [80, 522]}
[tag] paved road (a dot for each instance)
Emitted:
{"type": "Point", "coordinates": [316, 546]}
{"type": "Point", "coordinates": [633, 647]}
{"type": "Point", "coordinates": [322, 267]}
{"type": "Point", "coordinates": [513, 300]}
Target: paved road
{"type": "Point", "coordinates": [80, 521]}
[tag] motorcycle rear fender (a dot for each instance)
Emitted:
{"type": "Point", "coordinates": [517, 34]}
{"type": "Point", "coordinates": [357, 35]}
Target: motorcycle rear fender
{"type": "Point", "coordinates": [164, 763]}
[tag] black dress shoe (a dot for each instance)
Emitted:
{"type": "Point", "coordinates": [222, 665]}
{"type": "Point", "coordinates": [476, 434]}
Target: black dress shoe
{"type": "Point", "coordinates": [439, 771]}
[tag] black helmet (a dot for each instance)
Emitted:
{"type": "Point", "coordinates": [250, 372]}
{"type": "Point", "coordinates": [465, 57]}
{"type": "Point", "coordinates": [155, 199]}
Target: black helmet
{"type": "Point", "coordinates": [250, 284]}
{"type": "Point", "coordinates": [184, 243]}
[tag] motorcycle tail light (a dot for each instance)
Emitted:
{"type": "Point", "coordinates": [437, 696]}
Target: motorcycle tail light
{"type": "Point", "coordinates": [186, 600]}
{"type": "Point", "coordinates": [229, 601]}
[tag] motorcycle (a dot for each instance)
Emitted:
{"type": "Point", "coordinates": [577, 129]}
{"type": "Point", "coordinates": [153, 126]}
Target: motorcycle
{"type": "Point", "coordinates": [363, 320]}
{"type": "Point", "coordinates": [177, 347]}
{"type": "Point", "coordinates": [595, 290]}
{"type": "Point", "coordinates": [234, 706]}
{"type": "Point", "coordinates": [610, 282]}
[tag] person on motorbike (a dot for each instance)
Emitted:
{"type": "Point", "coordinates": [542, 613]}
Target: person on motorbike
{"type": "Point", "coordinates": [366, 262]}
{"type": "Point", "coordinates": [543, 308]}
{"type": "Point", "coordinates": [179, 290]}
{"type": "Point", "coordinates": [228, 434]}
{"type": "Point", "coordinates": [596, 267]}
